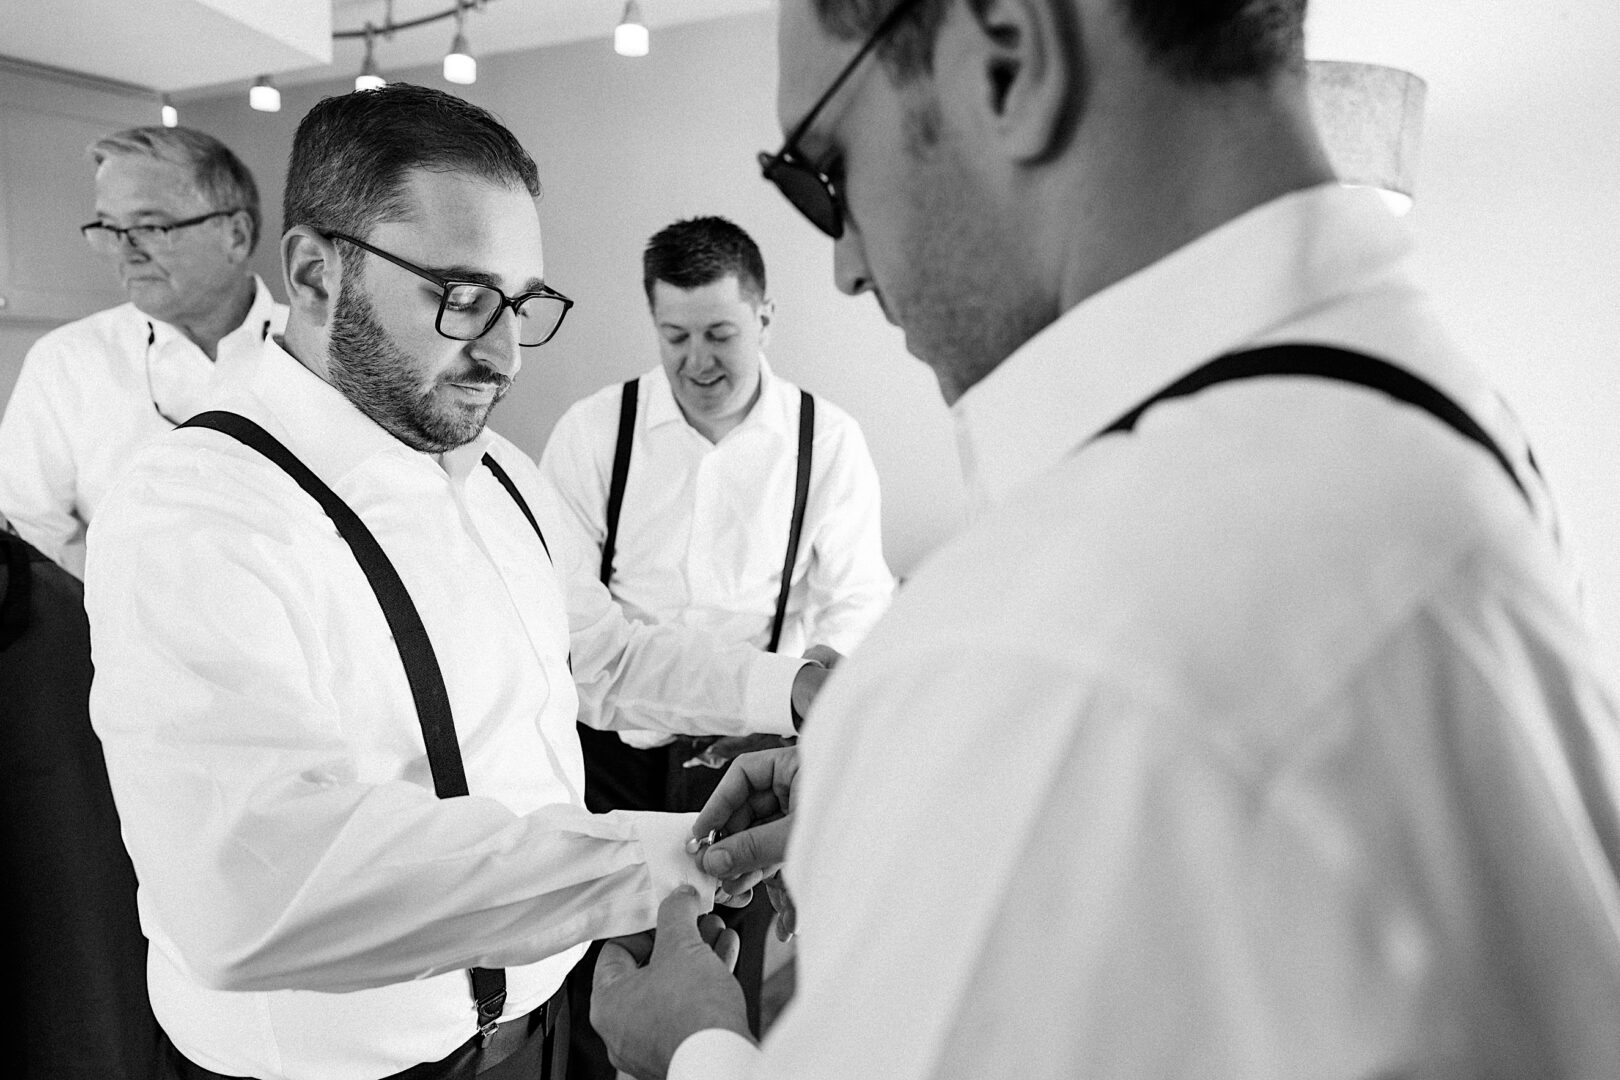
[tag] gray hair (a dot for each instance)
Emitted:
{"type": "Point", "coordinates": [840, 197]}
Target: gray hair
{"type": "Point", "coordinates": [218, 174]}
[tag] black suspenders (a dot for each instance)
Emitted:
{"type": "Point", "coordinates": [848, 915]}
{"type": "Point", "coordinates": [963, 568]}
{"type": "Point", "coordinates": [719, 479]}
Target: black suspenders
{"type": "Point", "coordinates": [1326, 362]}
{"type": "Point", "coordinates": [801, 495]}
{"type": "Point", "coordinates": [410, 636]}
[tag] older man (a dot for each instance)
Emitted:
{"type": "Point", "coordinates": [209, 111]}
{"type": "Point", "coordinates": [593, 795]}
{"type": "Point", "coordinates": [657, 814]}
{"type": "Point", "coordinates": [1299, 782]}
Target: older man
{"type": "Point", "coordinates": [178, 214]}
{"type": "Point", "coordinates": [1251, 731]}
{"type": "Point", "coordinates": [337, 674]}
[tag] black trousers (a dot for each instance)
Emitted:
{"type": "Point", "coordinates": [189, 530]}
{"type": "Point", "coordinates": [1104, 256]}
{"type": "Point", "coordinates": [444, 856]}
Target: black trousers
{"type": "Point", "coordinates": [620, 777]}
{"type": "Point", "coordinates": [538, 1050]}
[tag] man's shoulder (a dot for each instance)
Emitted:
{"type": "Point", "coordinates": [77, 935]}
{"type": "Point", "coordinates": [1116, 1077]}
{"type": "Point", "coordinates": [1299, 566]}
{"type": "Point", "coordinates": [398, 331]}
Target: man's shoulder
{"type": "Point", "coordinates": [595, 416]}
{"type": "Point", "coordinates": [111, 327]}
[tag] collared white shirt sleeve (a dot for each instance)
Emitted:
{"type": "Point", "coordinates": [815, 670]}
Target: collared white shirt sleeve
{"type": "Point", "coordinates": [92, 391]}
{"type": "Point", "coordinates": [1263, 742]}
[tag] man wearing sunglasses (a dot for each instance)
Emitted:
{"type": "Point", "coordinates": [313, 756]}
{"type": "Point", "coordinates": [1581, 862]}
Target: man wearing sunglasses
{"type": "Point", "coordinates": [177, 213]}
{"type": "Point", "coordinates": [1251, 730]}
{"type": "Point", "coordinates": [340, 652]}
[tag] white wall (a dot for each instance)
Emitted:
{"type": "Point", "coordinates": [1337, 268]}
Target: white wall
{"type": "Point", "coordinates": [1516, 210]}
{"type": "Point", "coordinates": [625, 147]}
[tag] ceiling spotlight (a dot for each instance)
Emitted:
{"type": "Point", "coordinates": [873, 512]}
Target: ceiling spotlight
{"type": "Point", "coordinates": [630, 36]}
{"type": "Point", "coordinates": [369, 78]}
{"type": "Point", "coordinates": [264, 96]}
{"type": "Point", "coordinates": [459, 65]}
{"type": "Point", "coordinates": [171, 115]}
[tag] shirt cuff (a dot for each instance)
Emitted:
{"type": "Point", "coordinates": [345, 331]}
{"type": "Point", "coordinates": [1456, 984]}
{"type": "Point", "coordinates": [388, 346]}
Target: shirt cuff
{"type": "Point", "coordinates": [713, 1054]}
{"type": "Point", "coordinates": [663, 840]}
{"type": "Point", "coordinates": [770, 694]}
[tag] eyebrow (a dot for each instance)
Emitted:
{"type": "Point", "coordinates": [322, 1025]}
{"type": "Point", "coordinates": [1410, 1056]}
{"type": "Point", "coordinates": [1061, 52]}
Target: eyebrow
{"type": "Point", "coordinates": [482, 277]}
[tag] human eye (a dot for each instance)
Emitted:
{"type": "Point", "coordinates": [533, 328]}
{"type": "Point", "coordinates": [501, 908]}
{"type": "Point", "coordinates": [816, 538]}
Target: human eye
{"type": "Point", "coordinates": [467, 298]}
{"type": "Point", "coordinates": [147, 232]}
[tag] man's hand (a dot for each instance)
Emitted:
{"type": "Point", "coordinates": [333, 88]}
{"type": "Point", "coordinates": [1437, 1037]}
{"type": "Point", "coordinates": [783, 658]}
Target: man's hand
{"type": "Point", "coordinates": [807, 683]}
{"type": "Point", "coordinates": [651, 990]}
{"type": "Point", "coordinates": [750, 810]}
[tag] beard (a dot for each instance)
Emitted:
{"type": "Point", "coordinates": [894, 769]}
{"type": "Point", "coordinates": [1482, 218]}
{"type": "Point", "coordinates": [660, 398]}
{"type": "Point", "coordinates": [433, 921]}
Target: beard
{"type": "Point", "coordinates": [380, 378]}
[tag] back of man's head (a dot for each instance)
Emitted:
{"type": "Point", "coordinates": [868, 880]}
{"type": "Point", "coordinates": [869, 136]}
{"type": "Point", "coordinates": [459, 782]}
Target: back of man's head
{"type": "Point", "coordinates": [702, 250]}
{"type": "Point", "coordinates": [353, 153]}
{"type": "Point", "coordinates": [218, 175]}
{"type": "Point", "coordinates": [1191, 40]}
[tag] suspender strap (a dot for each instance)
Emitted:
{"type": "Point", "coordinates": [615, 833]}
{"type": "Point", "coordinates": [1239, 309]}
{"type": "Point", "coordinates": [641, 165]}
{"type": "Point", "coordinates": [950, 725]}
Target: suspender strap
{"type": "Point", "coordinates": [1327, 362]}
{"type": "Point", "coordinates": [621, 473]}
{"type": "Point", "coordinates": [511, 489]}
{"type": "Point", "coordinates": [801, 497]}
{"type": "Point", "coordinates": [415, 650]}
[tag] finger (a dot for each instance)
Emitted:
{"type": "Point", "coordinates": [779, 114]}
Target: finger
{"type": "Point", "coordinates": [761, 848]}
{"type": "Point", "coordinates": [825, 655]}
{"type": "Point", "coordinates": [748, 776]}
{"type": "Point", "coordinates": [737, 900]}
{"type": "Point", "coordinates": [741, 883]}
{"type": "Point", "coordinates": [727, 947]}
{"type": "Point", "coordinates": [614, 963]}
{"type": "Point", "coordinates": [709, 927]}
{"type": "Point", "coordinates": [677, 920]}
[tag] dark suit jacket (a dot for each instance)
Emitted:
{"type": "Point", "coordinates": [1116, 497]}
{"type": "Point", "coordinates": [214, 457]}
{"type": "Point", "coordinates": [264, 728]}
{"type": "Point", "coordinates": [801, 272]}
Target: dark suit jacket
{"type": "Point", "coordinates": [73, 946]}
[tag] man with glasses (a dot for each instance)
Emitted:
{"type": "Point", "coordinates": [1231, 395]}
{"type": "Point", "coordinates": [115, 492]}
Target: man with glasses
{"type": "Point", "coordinates": [1251, 729]}
{"type": "Point", "coordinates": [340, 650]}
{"type": "Point", "coordinates": [178, 214]}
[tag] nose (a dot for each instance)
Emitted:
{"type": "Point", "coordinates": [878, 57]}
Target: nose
{"type": "Point", "coordinates": [850, 272]}
{"type": "Point", "coordinates": [130, 251]}
{"type": "Point", "coordinates": [498, 346]}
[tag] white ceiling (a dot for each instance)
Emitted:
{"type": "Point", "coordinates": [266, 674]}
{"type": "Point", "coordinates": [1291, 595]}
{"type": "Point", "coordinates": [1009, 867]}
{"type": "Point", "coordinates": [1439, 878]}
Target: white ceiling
{"type": "Point", "coordinates": [197, 45]}
{"type": "Point", "coordinates": [1489, 54]}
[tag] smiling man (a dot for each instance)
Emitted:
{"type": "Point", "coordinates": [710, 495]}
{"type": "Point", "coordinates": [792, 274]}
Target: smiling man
{"type": "Point", "coordinates": [337, 671]}
{"type": "Point", "coordinates": [684, 483]}
{"type": "Point", "coordinates": [178, 215]}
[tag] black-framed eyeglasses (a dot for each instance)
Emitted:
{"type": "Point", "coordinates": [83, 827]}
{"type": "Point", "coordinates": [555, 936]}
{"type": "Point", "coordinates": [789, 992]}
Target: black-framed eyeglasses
{"type": "Point", "coordinates": [467, 309]}
{"type": "Point", "coordinates": [109, 239]}
{"type": "Point", "coordinates": [810, 190]}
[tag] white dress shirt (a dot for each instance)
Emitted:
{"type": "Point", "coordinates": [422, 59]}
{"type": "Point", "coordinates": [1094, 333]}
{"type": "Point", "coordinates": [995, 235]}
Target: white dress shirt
{"type": "Point", "coordinates": [1263, 742]}
{"type": "Point", "coordinates": [704, 526]}
{"type": "Point", "coordinates": [92, 391]}
{"type": "Point", "coordinates": [311, 905]}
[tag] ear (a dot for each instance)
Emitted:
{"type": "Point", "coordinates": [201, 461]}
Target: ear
{"type": "Point", "coordinates": [767, 312]}
{"type": "Point", "coordinates": [311, 273]}
{"type": "Point", "coordinates": [239, 237]}
{"type": "Point", "coordinates": [1019, 64]}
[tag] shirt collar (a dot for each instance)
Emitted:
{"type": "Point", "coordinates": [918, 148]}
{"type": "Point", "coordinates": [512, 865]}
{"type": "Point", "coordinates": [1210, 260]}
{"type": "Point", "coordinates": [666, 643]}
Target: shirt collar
{"type": "Point", "coordinates": [662, 408]}
{"type": "Point", "coordinates": [1230, 287]}
{"type": "Point", "coordinates": [328, 432]}
{"type": "Point", "coordinates": [264, 317]}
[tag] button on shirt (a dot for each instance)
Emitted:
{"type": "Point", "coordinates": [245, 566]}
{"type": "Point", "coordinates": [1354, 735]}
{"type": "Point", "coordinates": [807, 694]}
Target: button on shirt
{"type": "Point", "coordinates": [704, 526]}
{"type": "Point", "coordinates": [88, 394]}
{"type": "Point", "coordinates": [1263, 742]}
{"type": "Point", "coordinates": [311, 905]}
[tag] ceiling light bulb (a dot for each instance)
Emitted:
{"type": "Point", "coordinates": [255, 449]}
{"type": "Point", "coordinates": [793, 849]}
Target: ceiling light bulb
{"type": "Point", "coordinates": [630, 36]}
{"type": "Point", "coordinates": [459, 65]}
{"type": "Point", "coordinates": [171, 116]}
{"type": "Point", "coordinates": [369, 78]}
{"type": "Point", "coordinates": [264, 96]}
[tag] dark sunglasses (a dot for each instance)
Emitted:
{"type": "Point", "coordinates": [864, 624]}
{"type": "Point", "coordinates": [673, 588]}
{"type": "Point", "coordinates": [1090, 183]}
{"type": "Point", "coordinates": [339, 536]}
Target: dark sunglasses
{"type": "Point", "coordinates": [810, 190]}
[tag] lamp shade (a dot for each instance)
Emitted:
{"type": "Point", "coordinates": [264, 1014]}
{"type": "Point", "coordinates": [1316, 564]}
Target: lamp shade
{"type": "Point", "coordinates": [1370, 118]}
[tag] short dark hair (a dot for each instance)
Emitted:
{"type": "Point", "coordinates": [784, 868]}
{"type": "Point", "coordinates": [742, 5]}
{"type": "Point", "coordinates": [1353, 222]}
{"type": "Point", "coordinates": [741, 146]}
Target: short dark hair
{"type": "Point", "coordinates": [352, 152]}
{"type": "Point", "coordinates": [218, 175]}
{"type": "Point", "coordinates": [702, 250]}
{"type": "Point", "coordinates": [1192, 40]}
